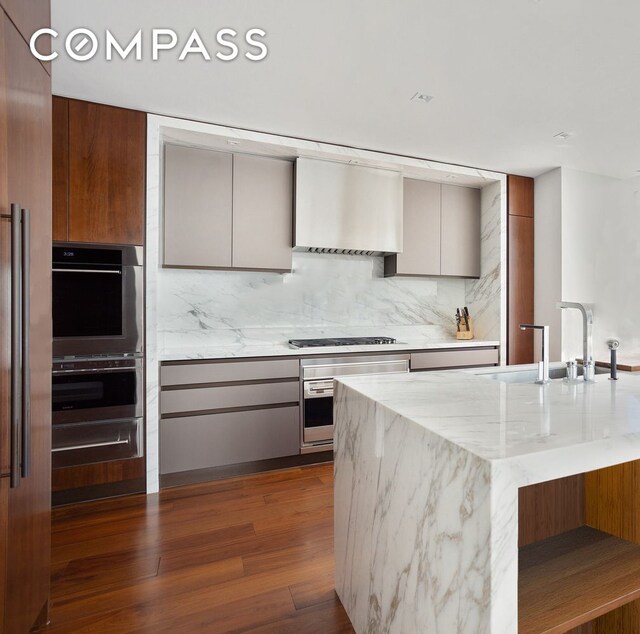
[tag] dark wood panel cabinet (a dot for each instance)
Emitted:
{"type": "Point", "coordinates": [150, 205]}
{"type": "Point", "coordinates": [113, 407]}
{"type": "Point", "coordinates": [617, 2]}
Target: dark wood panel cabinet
{"type": "Point", "coordinates": [60, 158]}
{"type": "Point", "coordinates": [520, 349]}
{"type": "Point", "coordinates": [99, 157]}
{"type": "Point", "coordinates": [98, 480]}
{"type": "Point", "coordinates": [520, 270]}
{"type": "Point", "coordinates": [25, 179]}
{"type": "Point", "coordinates": [28, 16]}
{"type": "Point", "coordinates": [520, 196]}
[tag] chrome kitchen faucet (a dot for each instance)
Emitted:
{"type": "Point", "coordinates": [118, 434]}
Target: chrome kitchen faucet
{"type": "Point", "coordinates": [587, 336]}
{"type": "Point", "coordinates": [543, 366]}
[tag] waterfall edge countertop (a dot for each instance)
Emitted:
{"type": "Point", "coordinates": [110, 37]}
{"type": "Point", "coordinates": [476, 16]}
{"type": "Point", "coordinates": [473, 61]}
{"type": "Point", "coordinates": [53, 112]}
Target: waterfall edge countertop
{"type": "Point", "coordinates": [427, 471]}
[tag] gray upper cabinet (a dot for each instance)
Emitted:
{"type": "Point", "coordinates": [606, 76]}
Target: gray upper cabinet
{"type": "Point", "coordinates": [421, 239]}
{"type": "Point", "coordinates": [460, 231]}
{"type": "Point", "coordinates": [227, 211]}
{"type": "Point", "coordinates": [197, 207]}
{"type": "Point", "coordinates": [262, 212]}
{"type": "Point", "coordinates": [441, 231]}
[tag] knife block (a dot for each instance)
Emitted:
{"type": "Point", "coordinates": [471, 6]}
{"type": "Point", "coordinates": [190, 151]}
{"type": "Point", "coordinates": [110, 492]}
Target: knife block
{"type": "Point", "coordinates": [465, 334]}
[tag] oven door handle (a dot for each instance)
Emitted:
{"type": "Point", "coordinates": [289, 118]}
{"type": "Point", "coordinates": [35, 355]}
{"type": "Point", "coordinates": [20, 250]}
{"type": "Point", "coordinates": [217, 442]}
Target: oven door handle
{"type": "Point", "coordinates": [112, 272]}
{"type": "Point", "coordinates": [109, 443]}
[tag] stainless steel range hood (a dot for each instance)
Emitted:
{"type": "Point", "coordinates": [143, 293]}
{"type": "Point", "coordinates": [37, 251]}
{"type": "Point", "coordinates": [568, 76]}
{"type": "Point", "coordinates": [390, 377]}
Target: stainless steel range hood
{"type": "Point", "coordinates": [342, 208]}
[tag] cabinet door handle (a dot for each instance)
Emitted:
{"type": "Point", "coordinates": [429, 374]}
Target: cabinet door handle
{"type": "Point", "coordinates": [26, 342]}
{"type": "Point", "coordinates": [16, 344]}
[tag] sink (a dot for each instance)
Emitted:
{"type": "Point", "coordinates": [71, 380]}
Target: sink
{"type": "Point", "coordinates": [530, 376]}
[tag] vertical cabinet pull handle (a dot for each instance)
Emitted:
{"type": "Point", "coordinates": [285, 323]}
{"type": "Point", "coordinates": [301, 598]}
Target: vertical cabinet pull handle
{"type": "Point", "coordinates": [26, 356]}
{"type": "Point", "coordinates": [16, 344]}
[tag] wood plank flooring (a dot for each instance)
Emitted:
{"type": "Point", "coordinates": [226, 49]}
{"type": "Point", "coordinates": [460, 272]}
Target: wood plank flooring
{"type": "Point", "coordinates": [250, 554]}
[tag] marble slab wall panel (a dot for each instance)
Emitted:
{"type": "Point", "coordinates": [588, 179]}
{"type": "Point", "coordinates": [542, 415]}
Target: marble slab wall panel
{"type": "Point", "coordinates": [486, 297]}
{"type": "Point", "coordinates": [152, 264]}
{"type": "Point", "coordinates": [414, 542]}
{"type": "Point", "coordinates": [325, 295]}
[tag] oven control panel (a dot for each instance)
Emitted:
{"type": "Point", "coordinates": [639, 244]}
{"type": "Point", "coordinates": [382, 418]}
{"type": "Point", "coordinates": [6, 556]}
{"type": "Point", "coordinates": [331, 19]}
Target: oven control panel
{"type": "Point", "coordinates": [94, 364]}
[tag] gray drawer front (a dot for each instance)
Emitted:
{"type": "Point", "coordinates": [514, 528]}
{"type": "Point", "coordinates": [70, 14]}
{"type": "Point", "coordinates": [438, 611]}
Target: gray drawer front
{"type": "Point", "coordinates": [454, 358]}
{"type": "Point", "coordinates": [197, 399]}
{"type": "Point", "coordinates": [199, 442]}
{"type": "Point", "coordinates": [229, 371]}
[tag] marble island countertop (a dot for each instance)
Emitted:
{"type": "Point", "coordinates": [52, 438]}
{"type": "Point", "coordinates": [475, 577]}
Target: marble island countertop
{"type": "Point", "coordinates": [428, 468]}
{"type": "Point", "coordinates": [245, 350]}
{"type": "Point", "coordinates": [543, 432]}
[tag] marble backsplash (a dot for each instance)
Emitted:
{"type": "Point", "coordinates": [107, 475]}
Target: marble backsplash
{"type": "Point", "coordinates": [325, 295]}
{"type": "Point", "coordinates": [332, 296]}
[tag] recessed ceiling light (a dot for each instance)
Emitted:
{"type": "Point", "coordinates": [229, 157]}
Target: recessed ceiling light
{"type": "Point", "coordinates": [421, 97]}
{"type": "Point", "coordinates": [232, 142]}
{"type": "Point", "coordinates": [562, 136]}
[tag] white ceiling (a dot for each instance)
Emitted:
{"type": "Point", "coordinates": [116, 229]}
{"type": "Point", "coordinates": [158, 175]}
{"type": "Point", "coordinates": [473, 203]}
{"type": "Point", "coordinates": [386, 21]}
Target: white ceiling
{"type": "Point", "coordinates": [506, 75]}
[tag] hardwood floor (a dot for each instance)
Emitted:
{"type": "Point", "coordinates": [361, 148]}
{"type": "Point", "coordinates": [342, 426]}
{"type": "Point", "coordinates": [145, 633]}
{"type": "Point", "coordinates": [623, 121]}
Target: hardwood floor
{"type": "Point", "coordinates": [251, 554]}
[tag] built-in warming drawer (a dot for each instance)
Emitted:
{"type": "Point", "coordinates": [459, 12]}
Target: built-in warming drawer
{"type": "Point", "coordinates": [229, 396]}
{"type": "Point", "coordinates": [442, 359]}
{"type": "Point", "coordinates": [86, 443]}
{"type": "Point", "coordinates": [221, 371]}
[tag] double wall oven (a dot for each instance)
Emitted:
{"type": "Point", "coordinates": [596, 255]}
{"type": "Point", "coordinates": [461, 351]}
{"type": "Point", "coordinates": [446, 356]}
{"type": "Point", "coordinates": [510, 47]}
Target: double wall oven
{"type": "Point", "coordinates": [97, 343]}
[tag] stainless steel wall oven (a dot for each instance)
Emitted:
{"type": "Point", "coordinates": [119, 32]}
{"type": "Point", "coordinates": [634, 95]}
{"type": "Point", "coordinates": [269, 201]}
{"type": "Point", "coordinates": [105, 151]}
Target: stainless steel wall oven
{"type": "Point", "coordinates": [97, 410]}
{"type": "Point", "coordinates": [97, 299]}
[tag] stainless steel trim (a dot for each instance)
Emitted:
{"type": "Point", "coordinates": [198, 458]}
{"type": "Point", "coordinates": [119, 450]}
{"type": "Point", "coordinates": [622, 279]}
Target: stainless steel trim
{"type": "Point", "coordinates": [26, 342]}
{"type": "Point", "coordinates": [330, 368]}
{"type": "Point", "coordinates": [328, 446]}
{"type": "Point", "coordinates": [91, 445]}
{"type": "Point", "coordinates": [86, 271]}
{"type": "Point", "coordinates": [318, 389]}
{"type": "Point", "coordinates": [131, 255]}
{"type": "Point", "coordinates": [16, 344]}
{"type": "Point", "coordinates": [91, 371]}
{"type": "Point", "coordinates": [318, 434]}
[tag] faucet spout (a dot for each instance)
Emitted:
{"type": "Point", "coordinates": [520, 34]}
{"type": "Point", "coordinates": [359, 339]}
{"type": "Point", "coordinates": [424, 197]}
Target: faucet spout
{"type": "Point", "coordinates": [543, 366]}
{"type": "Point", "coordinates": [587, 328]}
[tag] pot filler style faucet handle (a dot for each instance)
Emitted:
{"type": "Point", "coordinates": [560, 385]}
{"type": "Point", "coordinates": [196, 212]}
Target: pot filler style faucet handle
{"type": "Point", "coordinates": [587, 336]}
{"type": "Point", "coordinates": [543, 366]}
{"type": "Point", "coordinates": [613, 345]}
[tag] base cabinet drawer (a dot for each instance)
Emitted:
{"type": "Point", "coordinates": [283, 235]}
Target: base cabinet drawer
{"type": "Point", "coordinates": [213, 440]}
{"type": "Point", "coordinates": [206, 398]}
{"type": "Point", "coordinates": [220, 371]}
{"type": "Point", "coordinates": [442, 359]}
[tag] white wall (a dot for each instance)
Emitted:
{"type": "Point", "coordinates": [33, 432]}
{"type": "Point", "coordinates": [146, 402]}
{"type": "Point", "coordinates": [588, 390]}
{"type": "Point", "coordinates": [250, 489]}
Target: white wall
{"type": "Point", "coordinates": [548, 258]}
{"type": "Point", "coordinates": [599, 252]}
{"type": "Point", "coordinates": [601, 258]}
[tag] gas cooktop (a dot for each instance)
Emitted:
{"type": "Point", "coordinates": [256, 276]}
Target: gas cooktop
{"type": "Point", "coordinates": [339, 341]}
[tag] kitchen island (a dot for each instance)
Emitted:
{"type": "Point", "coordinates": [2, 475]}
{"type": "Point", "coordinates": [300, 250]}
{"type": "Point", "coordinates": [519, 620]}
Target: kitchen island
{"type": "Point", "coordinates": [429, 469]}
